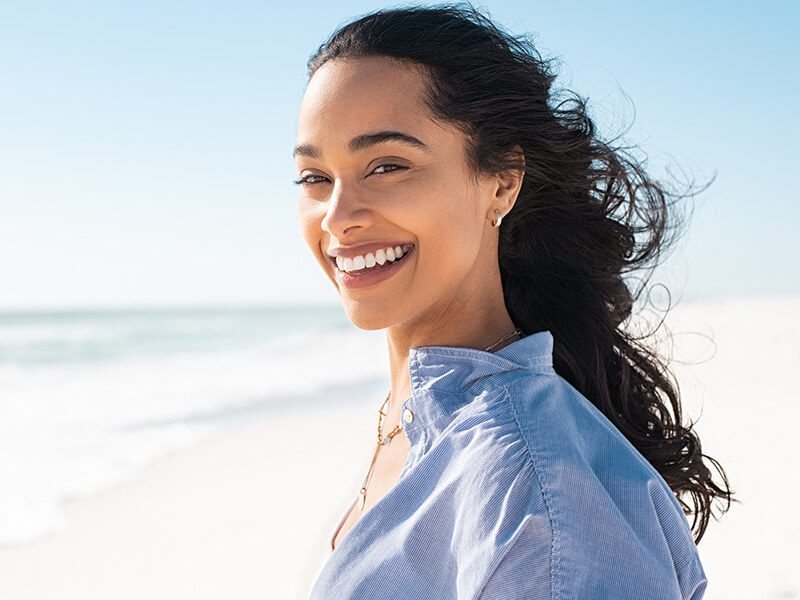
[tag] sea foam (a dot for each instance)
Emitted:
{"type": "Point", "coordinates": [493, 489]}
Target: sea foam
{"type": "Point", "coordinates": [88, 400]}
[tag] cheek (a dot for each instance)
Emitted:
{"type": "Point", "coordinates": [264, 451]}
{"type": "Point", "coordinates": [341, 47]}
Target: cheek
{"type": "Point", "coordinates": [449, 251]}
{"type": "Point", "coordinates": [449, 245]}
{"type": "Point", "coordinates": [309, 221]}
{"type": "Point", "coordinates": [452, 215]}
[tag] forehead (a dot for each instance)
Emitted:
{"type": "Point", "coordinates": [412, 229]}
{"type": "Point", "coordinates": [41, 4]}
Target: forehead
{"type": "Point", "coordinates": [347, 97]}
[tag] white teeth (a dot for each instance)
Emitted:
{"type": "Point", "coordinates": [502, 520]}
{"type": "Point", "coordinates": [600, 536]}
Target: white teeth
{"type": "Point", "coordinates": [382, 256]}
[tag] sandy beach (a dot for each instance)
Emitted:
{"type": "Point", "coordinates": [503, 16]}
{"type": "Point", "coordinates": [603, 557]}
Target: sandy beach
{"type": "Point", "coordinates": [200, 524]}
{"type": "Point", "coordinates": [248, 514]}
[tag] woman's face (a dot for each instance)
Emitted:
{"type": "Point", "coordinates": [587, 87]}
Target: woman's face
{"type": "Point", "coordinates": [364, 195]}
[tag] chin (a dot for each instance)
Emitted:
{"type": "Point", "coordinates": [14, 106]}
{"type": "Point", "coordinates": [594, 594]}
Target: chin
{"type": "Point", "coordinates": [367, 319]}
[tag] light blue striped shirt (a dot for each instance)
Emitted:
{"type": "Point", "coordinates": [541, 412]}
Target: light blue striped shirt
{"type": "Point", "coordinates": [515, 487]}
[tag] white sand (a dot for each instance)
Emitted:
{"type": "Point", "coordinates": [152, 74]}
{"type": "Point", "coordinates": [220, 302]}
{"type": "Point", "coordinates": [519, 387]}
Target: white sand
{"type": "Point", "coordinates": [242, 516]}
{"type": "Point", "coordinates": [249, 514]}
{"type": "Point", "coordinates": [750, 411]}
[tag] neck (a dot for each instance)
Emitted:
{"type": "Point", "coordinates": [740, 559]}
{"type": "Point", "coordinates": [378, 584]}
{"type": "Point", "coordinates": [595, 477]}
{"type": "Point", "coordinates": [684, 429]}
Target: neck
{"type": "Point", "coordinates": [469, 326]}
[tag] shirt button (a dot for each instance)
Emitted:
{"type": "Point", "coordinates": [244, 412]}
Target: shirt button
{"type": "Point", "coordinates": [408, 416]}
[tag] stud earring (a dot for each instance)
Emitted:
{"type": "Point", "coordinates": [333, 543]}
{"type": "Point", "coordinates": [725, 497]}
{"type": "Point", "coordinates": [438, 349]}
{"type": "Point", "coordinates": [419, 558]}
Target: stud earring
{"type": "Point", "coordinates": [496, 222]}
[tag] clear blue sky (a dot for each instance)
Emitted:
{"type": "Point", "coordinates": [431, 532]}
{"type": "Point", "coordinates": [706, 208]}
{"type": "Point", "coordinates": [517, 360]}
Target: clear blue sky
{"type": "Point", "coordinates": [145, 146]}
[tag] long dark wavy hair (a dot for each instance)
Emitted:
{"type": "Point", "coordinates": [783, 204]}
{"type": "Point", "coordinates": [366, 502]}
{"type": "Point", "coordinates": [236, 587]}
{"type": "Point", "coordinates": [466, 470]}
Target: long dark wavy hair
{"type": "Point", "coordinates": [587, 214]}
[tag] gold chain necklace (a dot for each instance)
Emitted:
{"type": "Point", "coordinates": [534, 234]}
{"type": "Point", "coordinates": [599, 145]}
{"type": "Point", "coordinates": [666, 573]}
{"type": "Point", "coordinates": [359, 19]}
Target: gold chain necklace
{"type": "Point", "coordinates": [382, 441]}
{"type": "Point", "coordinates": [387, 439]}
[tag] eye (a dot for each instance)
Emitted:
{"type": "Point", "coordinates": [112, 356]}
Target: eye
{"type": "Point", "coordinates": [388, 165]}
{"type": "Point", "coordinates": [305, 180]}
{"type": "Point", "coordinates": [311, 179]}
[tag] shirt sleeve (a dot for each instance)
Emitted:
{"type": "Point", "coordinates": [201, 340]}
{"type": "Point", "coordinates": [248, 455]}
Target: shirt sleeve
{"type": "Point", "coordinates": [523, 573]}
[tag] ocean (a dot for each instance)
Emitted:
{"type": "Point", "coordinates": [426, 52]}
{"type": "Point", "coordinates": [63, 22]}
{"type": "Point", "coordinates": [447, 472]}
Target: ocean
{"type": "Point", "coordinates": [89, 398]}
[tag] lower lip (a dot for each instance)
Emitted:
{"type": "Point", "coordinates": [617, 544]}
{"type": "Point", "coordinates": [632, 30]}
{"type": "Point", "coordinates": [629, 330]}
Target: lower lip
{"type": "Point", "coordinates": [367, 277]}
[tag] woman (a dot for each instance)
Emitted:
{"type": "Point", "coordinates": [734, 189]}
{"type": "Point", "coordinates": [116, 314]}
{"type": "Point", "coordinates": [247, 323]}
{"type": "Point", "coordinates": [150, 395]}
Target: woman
{"type": "Point", "coordinates": [528, 446]}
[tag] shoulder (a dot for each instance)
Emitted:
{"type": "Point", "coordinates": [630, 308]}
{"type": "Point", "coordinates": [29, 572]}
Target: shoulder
{"type": "Point", "coordinates": [591, 508]}
{"type": "Point", "coordinates": [495, 490]}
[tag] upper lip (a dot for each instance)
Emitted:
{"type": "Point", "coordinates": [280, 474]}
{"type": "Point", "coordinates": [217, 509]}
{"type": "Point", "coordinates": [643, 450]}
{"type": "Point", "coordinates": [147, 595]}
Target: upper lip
{"type": "Point", "coordinates": [362, 249]}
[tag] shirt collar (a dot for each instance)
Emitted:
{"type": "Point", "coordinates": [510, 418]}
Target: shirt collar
{"type": "Point", "coordinates": [444, 378]}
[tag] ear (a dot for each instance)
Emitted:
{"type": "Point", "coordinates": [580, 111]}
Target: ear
{"type": "Point", "coordinates": [508, 184]}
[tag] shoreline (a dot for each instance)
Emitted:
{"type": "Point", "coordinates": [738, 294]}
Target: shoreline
{"type": "Point", "coordinates": [223, 518]}
{"type": "Point", "coordinates": [247, 513]}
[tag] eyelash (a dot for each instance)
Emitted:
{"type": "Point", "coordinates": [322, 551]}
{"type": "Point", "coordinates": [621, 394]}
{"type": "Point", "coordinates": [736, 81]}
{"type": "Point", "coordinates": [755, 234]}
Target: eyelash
{"type": "Point", "coordinates": [304, 180]}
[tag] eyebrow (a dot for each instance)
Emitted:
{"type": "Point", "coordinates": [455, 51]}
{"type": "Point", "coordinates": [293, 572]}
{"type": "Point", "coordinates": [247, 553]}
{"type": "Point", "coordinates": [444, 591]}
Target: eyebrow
{"type": "Point", "coordinates": [365, 140]}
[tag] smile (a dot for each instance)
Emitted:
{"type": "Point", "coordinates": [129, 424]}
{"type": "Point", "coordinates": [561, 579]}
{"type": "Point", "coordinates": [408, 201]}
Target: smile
{"type": "Point", "coordinates": [385, 264]}
{"type": "Point", "coordinates": [371, 260]}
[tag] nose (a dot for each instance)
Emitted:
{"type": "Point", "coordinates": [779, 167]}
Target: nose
{"type": "Point", "coordinates": [346, 210]}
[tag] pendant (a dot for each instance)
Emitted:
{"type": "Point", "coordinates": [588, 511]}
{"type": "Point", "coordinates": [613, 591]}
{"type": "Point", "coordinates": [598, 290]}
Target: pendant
{"type": "Point", "coordinates": [362, 498]}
